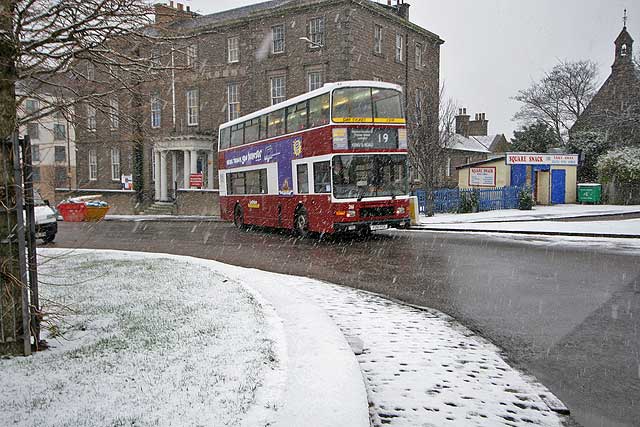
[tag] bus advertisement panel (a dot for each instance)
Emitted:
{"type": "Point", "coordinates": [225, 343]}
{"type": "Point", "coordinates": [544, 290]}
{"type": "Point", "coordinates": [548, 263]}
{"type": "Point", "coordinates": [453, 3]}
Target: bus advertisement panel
{"type": "Point", "coordinates": [334, 159]}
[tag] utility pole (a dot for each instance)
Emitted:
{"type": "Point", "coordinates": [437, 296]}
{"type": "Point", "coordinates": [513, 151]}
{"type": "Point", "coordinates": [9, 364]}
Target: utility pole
{"type": "Point", "coordinates": [15, 335]}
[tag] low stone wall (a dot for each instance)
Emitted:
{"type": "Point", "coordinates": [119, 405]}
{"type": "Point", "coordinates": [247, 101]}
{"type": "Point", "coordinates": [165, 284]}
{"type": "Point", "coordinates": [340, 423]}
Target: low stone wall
{"type": "Point", "coordinates": [198, 202]}
{"type": "Point", "coordinates": [121, 202]}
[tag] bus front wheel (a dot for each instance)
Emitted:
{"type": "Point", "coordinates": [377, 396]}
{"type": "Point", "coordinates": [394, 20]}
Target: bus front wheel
{"type": "Point", "coordinates": [238, 217]}
{"type": "Point", "coordinates": [301, 223]}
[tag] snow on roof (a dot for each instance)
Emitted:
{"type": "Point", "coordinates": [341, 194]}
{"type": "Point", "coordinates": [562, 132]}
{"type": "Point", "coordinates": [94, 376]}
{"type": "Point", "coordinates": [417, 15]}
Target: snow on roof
{"type": "Point", "coordinates": [479, 144]}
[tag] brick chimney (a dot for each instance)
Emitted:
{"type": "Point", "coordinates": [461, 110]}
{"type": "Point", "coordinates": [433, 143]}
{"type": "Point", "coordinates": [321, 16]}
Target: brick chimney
{"type": "Point", "coordinates": [462, 122]}
{"type": "Point", "coordinates": [167, 14]}
{"type": "Point", "coordinates": [479, 126]}
{"type": "Point", "coordinates": [400, 8]}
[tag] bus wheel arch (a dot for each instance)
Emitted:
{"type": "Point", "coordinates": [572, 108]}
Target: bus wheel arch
{"type": "Point", "coordinates": [238, 216]}
{"type": "Point", "coordinates": [301, 221]}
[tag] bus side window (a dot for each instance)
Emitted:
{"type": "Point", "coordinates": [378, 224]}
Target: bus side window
{"type": "Point", "coordinates": [322, 177]}
{"type": "Point", "coordinates": [303, 179]}
{"type": "Point", "coordinates": [251, 131]}
{"type": "Point", "coordinates": [263, 126]}
{"type": "Point", "coordinates": [297, 117]}
{"type": "Point", "coordinates": [276, 123]}
{"type": "Point", "coordinates": [319, 111]}
{"type": "Point", "coordinates": [237, 134]}
{"type": "Point", "coordinates": [224, 138]}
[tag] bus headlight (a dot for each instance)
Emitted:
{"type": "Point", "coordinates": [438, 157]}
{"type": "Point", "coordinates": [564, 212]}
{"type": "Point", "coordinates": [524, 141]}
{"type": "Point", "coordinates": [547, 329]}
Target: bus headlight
{"type": "Point", "coordinates": [400, 211]}
{"type": "Point", "coordinates": [351, 214]}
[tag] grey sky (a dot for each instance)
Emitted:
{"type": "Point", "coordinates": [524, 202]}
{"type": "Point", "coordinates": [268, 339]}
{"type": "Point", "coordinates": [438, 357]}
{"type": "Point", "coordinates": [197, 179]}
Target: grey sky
{"type": "Point", "coordinates": [493, 48]}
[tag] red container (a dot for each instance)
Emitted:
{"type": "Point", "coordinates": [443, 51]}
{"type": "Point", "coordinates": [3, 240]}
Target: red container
{"type": "Point", "coordinates": [73, 212]}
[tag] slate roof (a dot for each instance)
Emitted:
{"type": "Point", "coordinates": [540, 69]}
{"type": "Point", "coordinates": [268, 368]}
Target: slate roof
{"type": "Point", "coordinates": [478, 144]}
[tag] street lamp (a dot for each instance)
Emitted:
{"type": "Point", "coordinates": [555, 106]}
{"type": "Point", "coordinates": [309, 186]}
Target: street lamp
{"type": "Point", "coordinates": [311, 42]}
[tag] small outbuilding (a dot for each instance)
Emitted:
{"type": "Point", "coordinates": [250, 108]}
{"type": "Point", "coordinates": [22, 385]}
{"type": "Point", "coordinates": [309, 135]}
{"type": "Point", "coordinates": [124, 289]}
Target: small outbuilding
{"type": "Point", "coordinates": [552, 177]}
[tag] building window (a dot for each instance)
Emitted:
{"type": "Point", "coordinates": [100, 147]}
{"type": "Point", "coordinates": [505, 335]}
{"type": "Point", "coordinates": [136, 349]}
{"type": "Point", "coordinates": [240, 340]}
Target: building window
{"type": "Point", "coordinates": [156, 64]}
{"type": "Point", "coordinates": [448, 167]}
{"type": "Point", "coordinates": [377, 39]}
{"type": "Point", "coordinates": [277, 32]}
{"type": "Point", "coordinates": [114, 113]}
{"type": "Point", "coordinates": [60, 154]}
{"type": "Point", "coordinates": [33, 130]}
{"type": "Point", "coordinates": [91, 118]}
{"type": "Point", "coordinates": [233, 97]}
{"type": "Point", "coordinates": [418, 56]}
{"type": "Point", "coordinates": [35, 153]}
{"type": "Point", "coordinates": [59, 132]}
{"type": "Point", "coordinates": [399, 47]}
{"type": "Point", "coordinates": [91, 71]}
{"type": "Point", "coordinates": [31, 106]}
{"type": "Point", "coordinates": [233, 49]}
{"type": "Point", "coordinates": [35, 174]}
{"type": "Point", "coordinates": [60, 176]}
{"type": "Point", "coordinates": [278, 89]}
{"type": "Point", "coordinates": [192, 55]}
{"type": "Point", "coordinates": [156, 111]}
{"type": "Point", "coordinates": [316, 32]}
{"type": "Point", "coordinates": [192, 107]}
{"type": "Point", "coordinates": [154, 171]}
{"type": "Point", "coordinates": [115, 164]}
{"type": "Point", "coordinates": [315, 80]}
{"type": "Point", "coordinates": [93, 165]}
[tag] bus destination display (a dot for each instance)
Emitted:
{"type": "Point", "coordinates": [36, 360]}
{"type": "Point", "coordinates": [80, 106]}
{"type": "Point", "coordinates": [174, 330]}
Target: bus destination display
{"type": "Point", "coordinates": [373, 138]}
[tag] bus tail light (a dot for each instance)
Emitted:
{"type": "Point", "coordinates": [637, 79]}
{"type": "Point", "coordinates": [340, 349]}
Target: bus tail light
{"type": "Point", "coordinates": [402, 139]}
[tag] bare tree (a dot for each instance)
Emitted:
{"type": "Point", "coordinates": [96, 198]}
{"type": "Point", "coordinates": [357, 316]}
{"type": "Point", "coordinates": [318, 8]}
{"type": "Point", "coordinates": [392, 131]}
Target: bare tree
{"type": "Point", "coordinates": [560, 97]}
{"type": "Point", "coordinates": [64, 54]}
{"type": "Point", "coordinates": [430, 135]}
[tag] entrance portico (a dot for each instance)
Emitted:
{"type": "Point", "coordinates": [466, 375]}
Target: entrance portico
{"type": "Point", "coordinates": [198, 156]}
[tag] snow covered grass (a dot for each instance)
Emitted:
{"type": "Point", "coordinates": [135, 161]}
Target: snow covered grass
{"type": "Point", "coordinates": [140, 341]}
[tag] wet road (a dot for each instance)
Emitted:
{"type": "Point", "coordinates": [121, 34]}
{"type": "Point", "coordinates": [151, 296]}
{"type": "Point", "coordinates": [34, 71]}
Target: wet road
{"type": "Point", "coordinates": [569, 316]}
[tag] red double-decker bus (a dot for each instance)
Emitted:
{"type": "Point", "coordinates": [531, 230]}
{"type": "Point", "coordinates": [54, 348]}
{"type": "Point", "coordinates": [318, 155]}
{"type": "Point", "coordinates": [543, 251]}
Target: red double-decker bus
{"type": "Point", "coordinates": [334, 159]}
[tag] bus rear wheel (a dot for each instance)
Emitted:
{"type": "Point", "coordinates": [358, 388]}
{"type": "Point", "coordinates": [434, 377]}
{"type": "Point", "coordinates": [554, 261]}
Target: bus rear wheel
{"type": "Point", "coordinates": [238, 217]}
{"type": "Point", "coordinates": [301, 223]}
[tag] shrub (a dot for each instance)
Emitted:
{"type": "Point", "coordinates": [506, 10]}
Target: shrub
{"type": "Point", "coordinates": [465, 205]}
{"type": "Point", "coordinates": [620, 165]}
{"type": "Point", "coordinates": [525, 199]}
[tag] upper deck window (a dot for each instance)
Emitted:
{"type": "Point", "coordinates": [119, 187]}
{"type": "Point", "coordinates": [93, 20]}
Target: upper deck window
{"type": "Point", "coordinates": [366, 105]}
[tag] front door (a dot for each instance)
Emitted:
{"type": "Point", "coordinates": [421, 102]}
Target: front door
{"type": "Point", "coordinates": [558, 186]}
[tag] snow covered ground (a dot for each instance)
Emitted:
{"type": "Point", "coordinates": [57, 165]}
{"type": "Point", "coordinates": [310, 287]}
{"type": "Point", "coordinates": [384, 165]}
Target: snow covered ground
{"type": "Point", "coordinates": [171, 340]}
{"type": "Point", "coordinates": [538, 213]}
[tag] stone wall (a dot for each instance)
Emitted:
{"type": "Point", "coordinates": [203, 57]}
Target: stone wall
{"type": "Point", "coordinates": [198, 202]}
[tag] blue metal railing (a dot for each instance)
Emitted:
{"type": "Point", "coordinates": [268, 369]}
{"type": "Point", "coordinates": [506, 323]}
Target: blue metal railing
{"type": "Point", "coordinates": [488, 199]}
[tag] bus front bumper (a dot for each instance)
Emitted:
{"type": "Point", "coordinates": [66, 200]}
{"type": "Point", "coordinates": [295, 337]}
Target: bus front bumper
{"type": "Point", "coordinates": [376, 225]}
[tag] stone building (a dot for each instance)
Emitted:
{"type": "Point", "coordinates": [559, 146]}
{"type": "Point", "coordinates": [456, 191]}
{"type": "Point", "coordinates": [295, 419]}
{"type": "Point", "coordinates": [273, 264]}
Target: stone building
{"type": "Point", "coordinates": [53, 149]}
{"type": "Point", "coordinates": [238, 61]}
{"type": "Point", "coordinates": [615, 109]}
{"type": "Point", "coordinates": [471, 143]}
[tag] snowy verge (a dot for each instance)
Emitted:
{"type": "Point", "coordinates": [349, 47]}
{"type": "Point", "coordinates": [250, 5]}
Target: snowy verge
{"type": "Point", "coordinates": [142, 340]}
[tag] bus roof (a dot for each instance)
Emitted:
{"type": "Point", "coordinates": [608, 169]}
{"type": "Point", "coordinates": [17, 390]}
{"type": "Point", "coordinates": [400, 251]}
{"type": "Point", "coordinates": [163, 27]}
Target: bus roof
{"type": "Point", "coordinates": [327, 88]}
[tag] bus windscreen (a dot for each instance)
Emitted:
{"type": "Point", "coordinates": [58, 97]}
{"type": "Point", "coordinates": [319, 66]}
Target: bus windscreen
{"type": "Point", "coordinates": [376, 175]}
{"type": "Point", "coordinates": [367, 105]}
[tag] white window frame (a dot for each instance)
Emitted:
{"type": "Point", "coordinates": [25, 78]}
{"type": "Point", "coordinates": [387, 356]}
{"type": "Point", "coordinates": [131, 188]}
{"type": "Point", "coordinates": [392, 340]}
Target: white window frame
{"type": "Point", "coordinates": [114, 113]}
{"type": "Point", "coordinates": [115, 164]}
{"type": "Point", "coordinates": [315, 80]}
{"type": "Point", "coordinates": [233, 101]}
{"type": "Point", "coordinates": [35, 153]}
{"type": "Point", "coordinates": [192, 55]}
{"type": "Point", "coordinates": [35, 127]}
{"type": "Point", "coordinates": [156, 111]}
{"type": "Point", "coordinates": [418, 56]}
{"type": "Point", "coordinates": [377, 39]}
{"type": "Point", "coordinates": [31, 106]}
{"type": "Point", "coordinates": [399, 47]}
{"type": "Point", "coordinates": [274, 33]}
{"type": "Point", "coordinates": [316, 29]}
{"type": "Point", "coordinates": [278, 91]}
{"type": "Point", "coordinates": [233, 50]}
{"type": "Point", "coordinates": [62, 134]}
{"type": "Point", "coordinates": [448, 167]}
{"type": "Point", "coordinates": [93, 165]}
{"type": "Point", "coordinates": [193, 110]}
{"type": "Point", "coordinates": [91, 71]}
{"type": "Point", "coordinates": [91, 118]}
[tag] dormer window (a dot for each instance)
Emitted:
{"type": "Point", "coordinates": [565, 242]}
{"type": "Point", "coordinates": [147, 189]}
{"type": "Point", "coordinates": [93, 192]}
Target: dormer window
{"type": "Point", "coordinates": [623, 50]}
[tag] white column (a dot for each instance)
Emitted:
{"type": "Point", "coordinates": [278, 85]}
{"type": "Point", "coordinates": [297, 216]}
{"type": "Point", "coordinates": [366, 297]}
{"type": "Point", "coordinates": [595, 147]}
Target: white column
{"type": "Point", "coordinates": [186, 165]}
{"type": "Point", "coordinates": [174, 172]}
{"type": "Point", "coordinates": [156, 177]}
{"type": "Point", "coordinates": [211, 159]}
{"type": "Point", "coordinates": [194, 161]}
{"type": "Point", "coordinates": [163, 176]}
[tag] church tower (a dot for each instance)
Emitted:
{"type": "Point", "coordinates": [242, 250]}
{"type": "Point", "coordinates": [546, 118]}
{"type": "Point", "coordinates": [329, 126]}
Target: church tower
{"type": "Point", "coordinates": [624, 47]}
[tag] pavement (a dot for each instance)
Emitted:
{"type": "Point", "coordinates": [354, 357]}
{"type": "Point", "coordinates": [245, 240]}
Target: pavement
{"type": "Point", "coordinates": [358, 359]}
